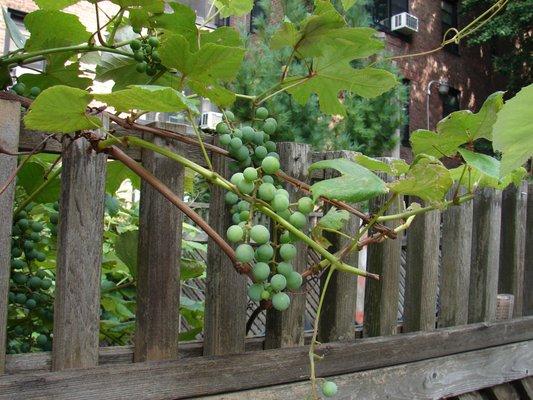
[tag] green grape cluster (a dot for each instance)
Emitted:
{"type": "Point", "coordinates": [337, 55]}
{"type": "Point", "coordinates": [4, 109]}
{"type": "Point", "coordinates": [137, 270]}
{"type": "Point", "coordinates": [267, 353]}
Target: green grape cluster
{"type": "Point", "coordinates": [20, 89]}
{"type": "Point", "coordinates": [146, 55]}
{"type": "Point", "coordinates": [30, 291]}
{"type": "Point", "coordinates": [254, 171]}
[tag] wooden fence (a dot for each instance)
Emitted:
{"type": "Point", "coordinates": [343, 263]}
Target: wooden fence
{"type": "Point", "coordinates": [481, 252]}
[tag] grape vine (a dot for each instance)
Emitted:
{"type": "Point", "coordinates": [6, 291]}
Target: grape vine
{"type": "Point", "coordinates": [161, 61]}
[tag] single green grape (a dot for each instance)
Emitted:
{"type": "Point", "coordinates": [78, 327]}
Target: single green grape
{"type": "Point", "coordinates": [306, 205]}
{"type": "Point", "coordinates": [153, 41]}
{"type": "Point", "coordinates": [16, 252]}
{"type": "Point", "coordinates": [280, 203]}
{"type": "Point", "coordinates": [236, 178]}
{"type": "Point", "coordinates": [20, 298]}
{"type": "Point", "coordinates": [21, 215]}
{"type": "Point", "coordinates": [155, 56]}
{"type": "Point", "coordinates": [225, 139]}
{"type": "Point", "coordinates": [270, 165]}
{"type": "Point", "coordinates": [138, 56]}
{"type": "Point", "coordinates": [41, 340]}
{"type": "Point", "coordinates": [35, 91]}
{"type": "Point", "coordinates": [265, 295]}
{"type": "Point", "coordinates": [264, 253]}
{"type": "Point", "coordinates": [247, 133]}
{"type": "Point", "coordinates": [281, 301]}
{"type": "Point", "coordinates": [294, 280]}
{"type": "Point", "coordinates": [243, 154]}
{"type": "Point", "coordinates": [46, 284]}
{"type": "Point", "coordinates": [329, 389]}
{"type": "Point", "coordinates": [19, 88]}
{"type": "Point", "coordinates": [278, 282]}
{"type": "Point", "coordinates": [235, 233]}
{"type": "Point", "coordinates": [246, 187]}
{"type": "Point", "coordinates": [285, 237]}
{"type": "Point", "coordinates": [231, 198]}
{"type": "Point", "coordinates": [41, 273]}
{"type": "Point", "coordinates": [229, 115]}
{"type": "Point", "coordinates": [18, 263]}
{"type": "Point", "coordinates": [23, 223]}
{"type": "Point", "coordinates": [236, 219]}
{"type": "Point", "coordinates": [243, 205]}
{"type": "Point", "coordinates": [270, 146]}
{"type": "Point", "coordinates": [235, 143]}
{"type": "Point", "coordinates": [244, 215]}
{"type": "Point", "coordinates": [298, 220]}
{"type": "Point", "coordinates": [261, 271]}
{"type": "Point", "coordinates": [260, 152]}
{"type": "Point", "coordinates": [285, 214]}
{"type": "Point", "coordinates": [30, 304]}
{"type": "Point", "coordinates": [28, 245]}
{"type": "Point", "coordinates": [244, 253]}
{"type": "Point", "coordinates": [142, 67]}
{"type": "Point", "coordinates": [40, 256]}
{"type": "Point", "coordinates": [268, 179]}
{"type": "Point", "coordinates": [35, 237]}
{"type": "Point", "coordinates": [260, 234]}
{"type": "Point", "coordinates": [147, 48]}
{"type": "Point", "coordinates": [254, 291]}
{"type": "Point", "coordinates": [36, 226]}
{"type": "Point", "coordinates": [237, 133]}
{"type": "Point", "coordinates": [270, 126]}
{"type": "Point", "coordinates": [34, 282]}
{"type": "Point", "coordinates": [287, 251]}
{"type": "Point", "coordinates": [283, 192]}
{"type": "Point", "coordinates": [284, 268]}
{"type": "Point", "coordinates": [261, 113]}
{"type": "Point", "coordinates": [222, 128]}
{"type": "Point", "coordinates": [266, 191]}
{"type": "Point", "coordinates": [54, 218]}
{"type": "Point", "coordinates": [250, 174]}
{"type": "Point", "coordinates": [273, 154]}
{"type": "Point", "coordinates": [135, 44]}
{"type": "Point", "coordinates": [258, 138]}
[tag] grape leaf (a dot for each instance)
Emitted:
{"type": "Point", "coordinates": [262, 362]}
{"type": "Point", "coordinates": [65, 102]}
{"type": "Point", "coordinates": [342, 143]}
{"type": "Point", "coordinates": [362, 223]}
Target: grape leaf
{"type": "Point", "coordinates": [182, 22]}
{"type": "Point", "coordinates": [473, 125]}
{"type": "Point", "coordinates": [191, 268]}
{"type": "Point", "coordinates": [14, 32]}
{"type": "Point", "coordinates": [427, 179]}
{"type": "Point", "coordinates": [139, 18]}
{"type": "Point", "coordinates": [224, 35]}
{"type": "Point", "coordinates": [355, 184]}
{"type": "Point", "coordinates": [474, 178]}
{"type": "Point", "coordinates": [56, 75]}
{"type": "Point", "coordinates": [437, 144]}
{"type": "Point", "coordinates": [396, 167]}
{"type": "Point", "coordinates": [347, 4]}
{"type": "Point", "coordinates": [116, 173]}
{"type": "Point", "coordinates": [55, 4]}
{"type": "Point", "coordinates": [234, 7]}
{"type": "Point", "coordinates": [61, 109]}
{"type": "Point", "coordinates": [217, 94]}
{"type": "Point", "coordinates": [334, 219]}
{"type": "Point", "coordinates": [147, 98]}
{"type": "Point", "coordinates": [332, 74]}
{"type": "Point", "coordinates": [121, 70]}
{"type": "Point", "coordinates": [482, 162]}
{"type": "Point", "coordinates": [52, 28]}
{"type": "Point", "coordinates": [32, 175]}
{"type": "Point", "coordinates": [513, 130]}
{"type": "Point", "coordinates": [126, 249]}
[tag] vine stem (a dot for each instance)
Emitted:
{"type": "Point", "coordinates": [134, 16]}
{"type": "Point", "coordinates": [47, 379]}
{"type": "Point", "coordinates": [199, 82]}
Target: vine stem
{"type": "Point", "coordinates": [422, 210]}
{"type": "Point", "coordinates": [200, 140]}
{"type": "Point", "coordinates": [38, 190]}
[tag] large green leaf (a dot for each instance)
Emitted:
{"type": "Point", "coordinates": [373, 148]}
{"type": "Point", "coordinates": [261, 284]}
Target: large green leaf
{"type": "Point", "coordinates": [31, 176]}
{"type": "Point", "coordinates": [334, 219]}
{"type": "Point", "coordinates": [56, 75]}
{"type": "Point", "coordinates": [355, 184]}
{"type": "Point", "coordinates": [482, 162]}
{"type": "Point", "coordinates": [513, 130]}
{"type": "Point", "coordinates": [427, 179]}
{"type": "Point", "coordinates": [219, 95]}
{"type": "Point", "coordinates": [395, 167]}
{"type": "Point", "coordinates": [147, 98]}
{"type": "Point", "coordinates": [437, 144]}
{"type": "Point", "coordinates": [52, 28]}
{"type": "Point", "coordinates": [182, 22]}
{"type": "Point", "coordinates": [473, 125]}
{"type": "Point", "coordinates": [225, 35]}
{"type": "Point", "coordinates": [473, 178]}
{"type": "Point", "coordinates": [126, 249]}
{"type": "Point", "coordinates": [55, 4]}
{"type": "Point", "coordinates": [116, 173]}
{"type": "Point", "coordinates": [154, 6]}
{"type": "Point", "coordinates": [332, 74]}
{"type": "Point", "coordinates": [14, 32]}
{"type": "Point", "coordinates": [234, 7]}
{"type": "Point", "coordinates": [61, 109]}
{"type": "Point", "coordinates": [121, 70]}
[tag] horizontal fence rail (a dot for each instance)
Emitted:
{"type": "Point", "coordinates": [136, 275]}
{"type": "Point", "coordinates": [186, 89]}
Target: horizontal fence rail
{"type": "Point", "coordinates": [447, 273]}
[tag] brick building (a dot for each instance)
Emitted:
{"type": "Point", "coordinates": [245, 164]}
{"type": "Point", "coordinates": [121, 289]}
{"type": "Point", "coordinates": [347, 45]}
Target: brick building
{"type": "Point", "coordinates": [467, 70]}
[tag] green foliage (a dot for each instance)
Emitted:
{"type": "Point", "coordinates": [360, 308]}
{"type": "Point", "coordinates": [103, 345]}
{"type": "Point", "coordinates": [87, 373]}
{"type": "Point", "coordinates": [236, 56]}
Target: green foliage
{"type": "Point", "coordinates": [507, 33]}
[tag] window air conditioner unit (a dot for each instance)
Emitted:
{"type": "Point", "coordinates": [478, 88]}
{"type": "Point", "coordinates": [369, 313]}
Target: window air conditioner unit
{"type": "Point", "coordinates": [404, 23]}
{"type": "Point", "coordinates": [210, 120]}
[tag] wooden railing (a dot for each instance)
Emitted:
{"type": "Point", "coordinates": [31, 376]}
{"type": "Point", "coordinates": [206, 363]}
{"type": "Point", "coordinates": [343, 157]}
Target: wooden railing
{"type": "Point", "coordinates": [478, 252]}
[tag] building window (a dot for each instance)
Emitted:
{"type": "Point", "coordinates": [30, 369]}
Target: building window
{"type": "Point", "coordinates": [451, 102]}
{"type": "Point", "coordinates": [385, 9]}
{"type": "Point", "coordinates": [449, 21]}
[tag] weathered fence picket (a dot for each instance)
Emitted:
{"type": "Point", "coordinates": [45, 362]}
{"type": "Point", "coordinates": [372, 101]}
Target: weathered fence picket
{"type": "Point", "coordinates": [9, 137]}
{"type": "Point", "coordinates": [421, 284]}
{"type": "Point", "coordinates": [79, 260]}
{"type": "Point", "coordinates": [486, 225]}
{"type": "Point", "coordinates": [512, 244]}
{"type": "Point", "coordinates": [225, 297]}
{"type": "Point", "coordinates": [286, 328]}
{"type": "Point", "coordinates": [338, 311]}
{"type": "Point", "coordinates": [159, 249]}
{"type": "Point", "coordinates": [442, 360]}
{"type": "Point", "coordinates": [381, 298]}
{"type": "Point", "coordinates": [456, 252]}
